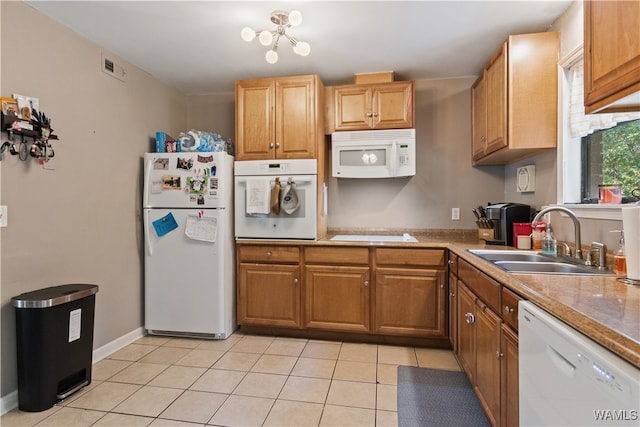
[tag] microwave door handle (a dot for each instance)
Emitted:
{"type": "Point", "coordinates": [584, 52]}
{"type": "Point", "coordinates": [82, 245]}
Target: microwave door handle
{"type": "Point", "coordinates": [394, 158]}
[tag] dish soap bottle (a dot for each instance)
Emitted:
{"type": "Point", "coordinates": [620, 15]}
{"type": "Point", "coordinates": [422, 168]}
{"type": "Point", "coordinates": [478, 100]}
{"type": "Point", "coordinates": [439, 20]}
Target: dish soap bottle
{"type": "Point", "coordinates": [619, 258]}
{"type": "Point", "coordinates": [549, 243]}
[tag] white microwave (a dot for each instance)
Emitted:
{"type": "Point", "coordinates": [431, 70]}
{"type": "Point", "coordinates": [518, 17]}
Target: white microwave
{"type": "Point", "coordinates": [374, 153]}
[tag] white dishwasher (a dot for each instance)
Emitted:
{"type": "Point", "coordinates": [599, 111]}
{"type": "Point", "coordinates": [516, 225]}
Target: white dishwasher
{"type": "Point", "coordinates": [566, 379]}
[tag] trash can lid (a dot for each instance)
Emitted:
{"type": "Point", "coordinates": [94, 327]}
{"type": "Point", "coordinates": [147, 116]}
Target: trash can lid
{"type": "Point", "coordinates": [54, 295]}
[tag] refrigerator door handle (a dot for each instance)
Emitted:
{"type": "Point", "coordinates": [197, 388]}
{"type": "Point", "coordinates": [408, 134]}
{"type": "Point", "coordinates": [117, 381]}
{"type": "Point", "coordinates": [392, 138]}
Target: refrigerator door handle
{"type": "Point", "coordinates": [147, 238]}
{"type": "Point", "coordinates": [147, 176]}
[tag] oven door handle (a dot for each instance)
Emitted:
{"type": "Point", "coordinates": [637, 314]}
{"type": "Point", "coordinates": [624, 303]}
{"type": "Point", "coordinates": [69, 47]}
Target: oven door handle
{"type": "Point", "coordinates": [296, 181]}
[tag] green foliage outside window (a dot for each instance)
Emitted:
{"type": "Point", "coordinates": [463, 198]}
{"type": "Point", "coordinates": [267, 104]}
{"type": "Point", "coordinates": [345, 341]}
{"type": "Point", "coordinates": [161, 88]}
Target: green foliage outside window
{"type": "Point", "coordinates": [621, 156]}
{"type": "Point", "coordinates": [612, 157]}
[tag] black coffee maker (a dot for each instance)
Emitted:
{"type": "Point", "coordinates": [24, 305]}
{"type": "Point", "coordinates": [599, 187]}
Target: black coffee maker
{"type": "Point", "coordinates": [503, 215]}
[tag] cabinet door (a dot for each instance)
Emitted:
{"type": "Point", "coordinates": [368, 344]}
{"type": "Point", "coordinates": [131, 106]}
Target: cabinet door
{"type": "Point", "coordinates": [478, 118]}
{"type": "Point", "coordinates": [352, 107]}
{"type": "Point", "coordinates": [337, 298]}
{"type": "Point", "coordinates": [612, 54]}
{"type": "Point", "coordinates": [496, 94]}
{"type": "Point", "coordinates": [295, 118]}
{"type": "Point", "coordinates": [466, 330]}
{"type": "Point", "coordinates": [269, 294]}
{"type": "Point", "coordinates": [509, 404]}
{"type": "Point", "coordinates": [393, 106]}
{"type": "Point", "coordinates": [255, 130]}
{"type": "Point", "coordinates": [453, 312]}
{"type": "Point", "coordinates": [487, 380]}
{"type": "Point", "coordinates": [410, 302]}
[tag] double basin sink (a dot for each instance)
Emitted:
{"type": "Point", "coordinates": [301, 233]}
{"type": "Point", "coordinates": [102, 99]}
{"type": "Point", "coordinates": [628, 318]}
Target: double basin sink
{"type": "Point", "coordinates": [530, 262]}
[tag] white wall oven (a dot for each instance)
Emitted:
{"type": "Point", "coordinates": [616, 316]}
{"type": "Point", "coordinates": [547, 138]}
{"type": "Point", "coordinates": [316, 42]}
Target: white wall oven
{"type": "Point", "coordinates": [276, 199]}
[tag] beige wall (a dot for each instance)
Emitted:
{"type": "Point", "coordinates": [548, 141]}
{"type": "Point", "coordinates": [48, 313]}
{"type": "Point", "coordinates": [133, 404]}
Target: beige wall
{"type": "Point", "coordinates": [81, 222]}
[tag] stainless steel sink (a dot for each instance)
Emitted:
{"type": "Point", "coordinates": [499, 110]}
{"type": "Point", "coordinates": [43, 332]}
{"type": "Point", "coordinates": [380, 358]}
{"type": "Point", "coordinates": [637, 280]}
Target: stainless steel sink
{"type": "Point", "coordinates": [530, 262]}
{"type": "Point", "coordinates": [499, 255]}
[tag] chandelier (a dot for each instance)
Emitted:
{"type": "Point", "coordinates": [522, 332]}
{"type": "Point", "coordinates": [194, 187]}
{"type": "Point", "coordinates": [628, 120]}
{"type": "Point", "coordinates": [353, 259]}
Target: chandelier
{"type": "Point", "coordinates": [283, 20]}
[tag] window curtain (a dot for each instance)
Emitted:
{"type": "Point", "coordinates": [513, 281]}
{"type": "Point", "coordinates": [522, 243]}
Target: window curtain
{"type": "Point", "coordinates": [582, 124]}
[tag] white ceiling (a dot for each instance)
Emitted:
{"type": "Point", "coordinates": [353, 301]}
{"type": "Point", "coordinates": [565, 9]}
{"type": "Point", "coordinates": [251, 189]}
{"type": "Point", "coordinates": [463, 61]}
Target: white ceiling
{"type": "Point", "coordinates": [195, 46]}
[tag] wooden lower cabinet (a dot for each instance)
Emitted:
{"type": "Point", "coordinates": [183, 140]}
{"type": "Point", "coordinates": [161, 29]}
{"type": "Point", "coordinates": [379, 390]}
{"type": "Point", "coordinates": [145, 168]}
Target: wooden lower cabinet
{"type": "Point", "coordinates": [410, 302]}
{"type": "Point", "coordinates": [487, 370]}
{"type": "Point", "coordinates": [466, 333]}
{"type": "Point", "coordinates": [337, 298]}
{"type": "Point", "coordinates": [488, 342]}
{"type": "Point", "coordinates": [269, 295]}
{"type": "Point", "coordinates": [509, 383]}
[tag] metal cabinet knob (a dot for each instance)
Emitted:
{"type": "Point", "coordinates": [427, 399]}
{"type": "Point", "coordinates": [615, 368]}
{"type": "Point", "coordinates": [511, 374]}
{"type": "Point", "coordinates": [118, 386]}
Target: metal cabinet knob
{"type": "Point", "coordinates": [375, 114]}
{"type": "Point", "coordinates": [271, 145]}
{"type": "Point", "coordinates": [450, 262]}
{"type": "Point", "coordinates": [369, 114]}
{"type": "Point", "coordinates": [452, 294]}
{"type": "Point", "coordinates": [269, 254]}
{"type": "Point", "coordinates": [499, 355]}
{"type": "Point", "coordinates": [366, 283]}
{"type": "Point", "coordinates": [508, 310]}
{"type": "Point", "coordinates": [295, 281]}
{"type": "Point", "coordinates": [277, 145]}
{"type": "Point", "coordinates": [470, 318]}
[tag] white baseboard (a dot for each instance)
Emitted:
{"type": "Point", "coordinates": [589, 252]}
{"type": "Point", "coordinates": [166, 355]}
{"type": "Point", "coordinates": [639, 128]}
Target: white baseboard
{"type": "Point", "coordinates": [117, 344]}
{"type": "Point", "coordinates": [9, 401]}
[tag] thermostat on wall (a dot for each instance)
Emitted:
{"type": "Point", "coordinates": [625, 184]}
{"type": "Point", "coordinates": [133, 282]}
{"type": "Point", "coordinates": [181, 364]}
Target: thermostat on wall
{"type": "Point", "coordinates": [526, 179]}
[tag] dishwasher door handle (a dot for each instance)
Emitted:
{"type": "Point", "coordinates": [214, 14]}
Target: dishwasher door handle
{"type": "Point", "coordinates": [561, 362]}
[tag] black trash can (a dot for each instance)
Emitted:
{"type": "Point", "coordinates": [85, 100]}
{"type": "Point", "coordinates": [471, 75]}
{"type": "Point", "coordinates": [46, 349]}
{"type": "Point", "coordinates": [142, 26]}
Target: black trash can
{"type": "Point", "coordinates": [54, 331]}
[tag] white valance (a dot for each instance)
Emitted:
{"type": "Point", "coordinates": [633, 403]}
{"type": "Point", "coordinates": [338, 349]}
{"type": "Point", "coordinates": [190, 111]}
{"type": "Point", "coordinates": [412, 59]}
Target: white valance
{"type": "Point", "coordinates": [582, 124]}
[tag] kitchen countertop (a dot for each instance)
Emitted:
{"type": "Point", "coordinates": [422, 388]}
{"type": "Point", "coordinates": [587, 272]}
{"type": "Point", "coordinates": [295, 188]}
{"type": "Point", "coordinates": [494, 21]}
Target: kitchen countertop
{"type": "Point", "coordinates": [602, 308]}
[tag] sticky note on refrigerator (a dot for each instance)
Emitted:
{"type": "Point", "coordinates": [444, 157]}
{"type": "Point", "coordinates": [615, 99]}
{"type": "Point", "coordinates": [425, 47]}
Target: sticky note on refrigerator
{"type": "Point", "coordinates": [165, 224]}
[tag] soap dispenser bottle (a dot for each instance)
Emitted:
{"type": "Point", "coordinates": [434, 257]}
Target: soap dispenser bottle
{"type": "Point", "coordinates": [549, 243]}
{"type": "Point", "coordinates": [619, 258]}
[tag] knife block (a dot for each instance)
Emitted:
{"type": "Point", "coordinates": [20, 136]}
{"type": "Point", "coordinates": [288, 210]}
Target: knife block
{"type": "Point", "coordinates": [486, 233]}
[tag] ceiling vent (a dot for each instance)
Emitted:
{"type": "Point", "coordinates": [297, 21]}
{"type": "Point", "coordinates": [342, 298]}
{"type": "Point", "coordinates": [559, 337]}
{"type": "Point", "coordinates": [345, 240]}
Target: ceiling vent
{"type": "Point", "coordinates": [112, 68]}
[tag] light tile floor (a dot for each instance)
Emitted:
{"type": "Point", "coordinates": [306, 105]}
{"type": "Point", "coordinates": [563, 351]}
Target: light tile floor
{"type": "Point", "coordinates": [245, 380]}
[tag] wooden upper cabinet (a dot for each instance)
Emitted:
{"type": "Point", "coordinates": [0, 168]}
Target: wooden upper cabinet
{"type": "Point", "coordinates": [611, 56]}
{"type": "Point", "coordinates": [371, 106]}
{"type": "Point", "coordinates": [514, 101]}
{"type": "Point", "coordinates": [478, 118]}
{"type": "Point", "coordinates": [496, 99]}
{"type": "Point", "coordinates": [279, 118]}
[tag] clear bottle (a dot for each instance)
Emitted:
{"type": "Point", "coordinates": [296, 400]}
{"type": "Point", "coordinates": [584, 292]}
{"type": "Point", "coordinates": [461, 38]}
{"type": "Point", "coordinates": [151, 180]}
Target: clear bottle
{"type": "Point", "coordinates": [619, 258]}
{"type": "Point", "coordinates": [549, 243]}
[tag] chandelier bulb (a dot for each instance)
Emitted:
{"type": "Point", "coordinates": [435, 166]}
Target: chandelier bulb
{"type": "Point", "coordinates": [295, 18]}
{"type": "Point", "coordinates": [265, 37]}
{"type": "Point", "coordinates": [302, 48]}
{"type": "Point", "coordinates": [248, 34]}
{"type": "Point", "coordinates": [271, 56]}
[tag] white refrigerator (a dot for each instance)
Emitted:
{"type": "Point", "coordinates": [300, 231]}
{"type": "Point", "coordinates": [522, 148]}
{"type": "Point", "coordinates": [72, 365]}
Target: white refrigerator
{"type": "Point", "coordinates": [189, 285]}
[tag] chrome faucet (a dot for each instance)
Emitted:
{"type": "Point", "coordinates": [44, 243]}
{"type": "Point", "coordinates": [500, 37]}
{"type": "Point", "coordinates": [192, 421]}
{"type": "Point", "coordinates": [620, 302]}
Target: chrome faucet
{"type": "Point", "coordinates": [576, 226]}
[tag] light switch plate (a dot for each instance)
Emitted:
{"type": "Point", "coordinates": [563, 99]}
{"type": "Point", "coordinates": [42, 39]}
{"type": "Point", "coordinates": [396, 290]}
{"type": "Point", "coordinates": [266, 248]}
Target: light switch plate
{"type": "Point", "coordinates": [526, 179]}
{"type": "Point", "coordinates": [3, 216]}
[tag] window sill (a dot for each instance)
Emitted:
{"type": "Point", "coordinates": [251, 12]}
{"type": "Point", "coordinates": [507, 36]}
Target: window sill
{"type": "Point", "coordinates": [594, 211]}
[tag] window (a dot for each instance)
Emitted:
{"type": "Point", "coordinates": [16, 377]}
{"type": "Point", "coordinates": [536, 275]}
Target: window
{"type": "Point", "coordinates": [611, 156]}
{"type": "Point", "coordinates": [596, 148]}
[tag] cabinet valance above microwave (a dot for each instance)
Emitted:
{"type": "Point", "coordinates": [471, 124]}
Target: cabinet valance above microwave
{"type": "Point", "coordinates": [374, 153]}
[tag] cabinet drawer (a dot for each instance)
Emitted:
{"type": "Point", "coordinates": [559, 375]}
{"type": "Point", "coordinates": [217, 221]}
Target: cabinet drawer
{"type": "Point", "coordinates": [417, 257]}
{"type": "Point", "coordinates": [482, 285]}
{"type": "Point", "coordinates": [284, 254]}
{"type": "Point", "coordinates": [333, 255]}
{"type": "Point", "coordinates": [510, 308]}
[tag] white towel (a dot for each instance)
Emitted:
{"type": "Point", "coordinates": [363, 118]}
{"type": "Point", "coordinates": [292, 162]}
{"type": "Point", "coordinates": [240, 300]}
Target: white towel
{"type": "Point", "coordinates": [258, 196]}
{"type": "Point", "coordinates": [631, 227]}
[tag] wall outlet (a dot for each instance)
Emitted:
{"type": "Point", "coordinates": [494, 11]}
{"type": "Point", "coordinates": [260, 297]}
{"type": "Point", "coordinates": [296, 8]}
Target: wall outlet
{"type": "Point", "coordinates": [3, 216]}
{"type": "Point", "coordinates": [455, 214]}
